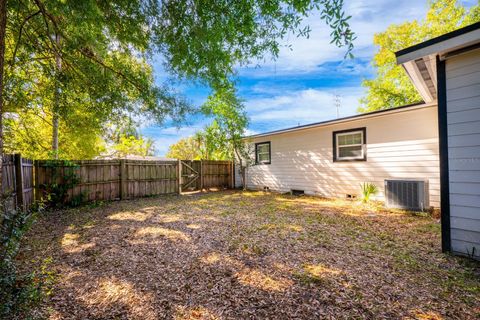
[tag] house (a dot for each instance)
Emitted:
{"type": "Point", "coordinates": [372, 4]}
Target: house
{"type": "Point", "coordinates": [333, 158]}
{"type": "Point", "coordinates": [437, 142]}
{"type": "Point", "coordinates": [446, 70]}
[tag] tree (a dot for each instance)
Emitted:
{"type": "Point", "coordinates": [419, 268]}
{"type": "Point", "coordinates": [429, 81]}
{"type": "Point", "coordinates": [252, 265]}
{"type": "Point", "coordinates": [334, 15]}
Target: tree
{"type": "Point", "coordinates": [105, 46]}
{"type": "Point", "coordinates": [132, 145]}
{"type": "Point", "coordinates": [30, 131]}
{"type": "Point", "coordinates": [230, 124]}
{"type": "Point", "coordinates": [185, 149]}
{"type": "Point", "coordinates": [206, 144]}
{"type": "Point", "coordinates": [77, 84]}
{"type": "Point", "coordinates": [223, 139]}
{"type": "Point", "coordinates": [3, 32]}
{"type": "Point", "coordinates": [391, 86]}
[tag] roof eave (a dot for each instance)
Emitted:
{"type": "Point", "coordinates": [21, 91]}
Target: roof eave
{"type": "Point", "coordinates": [405, 108]}
{"type": "Point", "coordinates": [448, 42]}
{"type": "Point", "coordinates": [419, 61]}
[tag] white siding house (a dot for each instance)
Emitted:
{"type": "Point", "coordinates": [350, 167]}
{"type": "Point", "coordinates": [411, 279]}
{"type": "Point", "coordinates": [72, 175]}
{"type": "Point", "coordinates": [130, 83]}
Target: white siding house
{"type": "Point", "coordinates": [452, 78]}
{"type": "Point", "coordinates": [399, 143]}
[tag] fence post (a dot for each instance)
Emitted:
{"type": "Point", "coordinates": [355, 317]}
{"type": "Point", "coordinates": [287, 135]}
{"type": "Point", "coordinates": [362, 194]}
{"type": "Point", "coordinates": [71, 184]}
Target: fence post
{"type": "Point", "coordinates": [19, 181]}
{"type": "Point", "coordinates": [201, 175]}
{"type": "Point", "coordinates": [179, 176]}
{"type": "Point", "coordinates": [36, 188]}
{"type": "Point", "coordinates": [123, 179]}
{"type": "Point", "coordinates": [232, 174]}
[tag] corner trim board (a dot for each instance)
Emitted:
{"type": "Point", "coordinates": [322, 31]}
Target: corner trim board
{"type": "Point", "coordinates": [443, 148]}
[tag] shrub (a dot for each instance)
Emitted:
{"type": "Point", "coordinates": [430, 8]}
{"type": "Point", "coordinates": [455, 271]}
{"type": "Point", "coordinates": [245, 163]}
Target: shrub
{"type": "Point", "coordinates": [368, 189]}
{"type": "Point", "coordinates": [64, 178]}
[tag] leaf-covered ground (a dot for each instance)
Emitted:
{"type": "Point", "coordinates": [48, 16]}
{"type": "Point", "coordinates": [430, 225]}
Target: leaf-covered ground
{"type": "Point", "coordinates": [235, 255]}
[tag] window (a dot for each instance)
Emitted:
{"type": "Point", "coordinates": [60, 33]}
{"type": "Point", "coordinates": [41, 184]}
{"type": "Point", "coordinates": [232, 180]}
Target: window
{"type": "Point", "coordinates": [262, 152]}
{"type": "Point", "coordinates": [350, 145]}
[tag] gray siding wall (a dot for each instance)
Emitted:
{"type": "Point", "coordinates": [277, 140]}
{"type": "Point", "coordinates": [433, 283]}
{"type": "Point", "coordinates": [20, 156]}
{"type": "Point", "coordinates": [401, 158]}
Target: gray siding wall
{"type": "Point", "coordinates": [463, 119]}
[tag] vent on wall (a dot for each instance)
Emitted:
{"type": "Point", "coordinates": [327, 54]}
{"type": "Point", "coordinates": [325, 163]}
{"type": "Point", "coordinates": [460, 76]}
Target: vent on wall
{"type": "Point", "coordinates": [407, 194]}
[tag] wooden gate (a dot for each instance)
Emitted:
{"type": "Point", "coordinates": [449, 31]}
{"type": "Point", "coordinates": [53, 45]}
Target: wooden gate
{"type": "Point", "coordinates": [191, 175]}
{"type": "Point", "coordinates": [205, 174]}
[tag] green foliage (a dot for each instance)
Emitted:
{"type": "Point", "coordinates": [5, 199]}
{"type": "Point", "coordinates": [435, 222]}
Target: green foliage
{"type": "Point", "coordinates": [186, 149]}
{"type": "Point", "coordinates": [105, 52]}
{"type": "Point", "coordinates": [218, 140]}
{"type": "Point", "coordinates": [228, 128]}
{"type": "Point", "coordinates": [19, 292]}
{"type": "Point", "coordinates": [391, 86]}
{"type": "Point", "coordinates": [29, 133]}
{"type": "Point", "coordinates": [368, 190]}
{"type": "Point", "coordinates": [230, 120]}
{"type": "Point", "coordinates": [64, 177]}
{"type": "Point", "coordinates": [132, 145]}
{"type": "Point", "coordinates": [206, 39]}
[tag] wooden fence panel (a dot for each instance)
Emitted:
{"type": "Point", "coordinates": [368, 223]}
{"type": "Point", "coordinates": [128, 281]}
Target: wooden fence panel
{"type": "Point", "coordinates": [17, 182]}
{"type": "Point", "coordinates": [149, 178]}
{"type": "Point", "coordinates": [217, 174]}
{"type": "Point", "coordinates": [9, 182]}
{"type": "Point", "coordinates": [28, 182]}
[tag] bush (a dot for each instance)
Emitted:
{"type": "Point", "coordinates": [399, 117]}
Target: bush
{"type": "Point", "coordinates": [64, 178]}
{"type": "Point", "coordinates": [368, 189]}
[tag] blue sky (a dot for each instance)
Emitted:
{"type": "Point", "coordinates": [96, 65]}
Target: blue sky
{"type": "Point", "coordinates": [299, 87]}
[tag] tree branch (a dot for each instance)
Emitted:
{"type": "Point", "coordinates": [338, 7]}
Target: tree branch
{"type": "Point", "coordinates": [20, 35]}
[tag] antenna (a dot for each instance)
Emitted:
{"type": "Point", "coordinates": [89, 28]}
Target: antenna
{"type": "Point", "coordinates": [337, 102]}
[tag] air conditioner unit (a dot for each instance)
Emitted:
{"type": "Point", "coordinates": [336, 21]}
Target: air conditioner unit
{"type": "Point", "coordinates": [407, 194]}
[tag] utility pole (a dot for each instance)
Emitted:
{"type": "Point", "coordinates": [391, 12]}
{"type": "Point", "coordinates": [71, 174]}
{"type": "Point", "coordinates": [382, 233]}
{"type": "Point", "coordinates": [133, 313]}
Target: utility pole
{"type": "Point", "coordinates": [337, 103]}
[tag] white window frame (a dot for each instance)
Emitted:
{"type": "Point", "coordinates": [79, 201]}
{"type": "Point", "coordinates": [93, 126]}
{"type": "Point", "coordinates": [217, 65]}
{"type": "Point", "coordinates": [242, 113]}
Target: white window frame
{"type": "Point", "coordinates": [338, 134]}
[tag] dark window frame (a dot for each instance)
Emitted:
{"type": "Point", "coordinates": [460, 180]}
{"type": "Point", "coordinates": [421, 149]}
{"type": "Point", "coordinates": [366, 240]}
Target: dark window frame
{"type": "Point", "coordinates": [269, 152]}
{"type": "Point", "coordinates": [364, 144]}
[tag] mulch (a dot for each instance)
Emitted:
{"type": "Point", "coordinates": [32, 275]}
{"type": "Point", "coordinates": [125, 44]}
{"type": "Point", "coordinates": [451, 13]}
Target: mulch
{"type": "Point", "coordinates": [249, 255]}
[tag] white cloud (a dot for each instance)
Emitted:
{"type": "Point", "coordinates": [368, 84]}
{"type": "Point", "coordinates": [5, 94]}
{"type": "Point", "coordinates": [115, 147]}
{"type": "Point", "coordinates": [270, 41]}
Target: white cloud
{"type": "Point", "coordinates": [368, 17]}
{"type": "Point", "coordinates": [303, 106]}
{"type": "Point", "coordinates": [249, 132]}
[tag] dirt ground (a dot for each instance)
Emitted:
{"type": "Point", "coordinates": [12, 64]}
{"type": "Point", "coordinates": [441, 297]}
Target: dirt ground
{"type": "Point", "coordinates": [248, 255]}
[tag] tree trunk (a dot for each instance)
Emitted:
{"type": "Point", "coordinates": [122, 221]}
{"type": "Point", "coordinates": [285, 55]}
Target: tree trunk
{"type": "Point", "coordinates": [56, 99]}
{"type": "Point", "coordinates": [244, 178]}
{"type": "Point", "coordinates": [243, 169]}
{"type": "Point", "coordinates": [3, 31]}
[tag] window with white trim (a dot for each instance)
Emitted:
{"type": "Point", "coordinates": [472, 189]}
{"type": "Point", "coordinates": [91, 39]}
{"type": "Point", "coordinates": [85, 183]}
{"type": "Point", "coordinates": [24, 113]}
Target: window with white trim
{"type": "Point", "coordinates": [262, 153]}
{"type": "Point", "coordinates": [350, 145]}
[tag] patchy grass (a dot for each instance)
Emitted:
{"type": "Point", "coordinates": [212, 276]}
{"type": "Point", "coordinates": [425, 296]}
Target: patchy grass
{"type": "Point", "coordinates": [250, 255]}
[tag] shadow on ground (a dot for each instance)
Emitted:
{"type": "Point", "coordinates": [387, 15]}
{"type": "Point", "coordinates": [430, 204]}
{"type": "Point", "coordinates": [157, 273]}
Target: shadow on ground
{"type": "Point", "coordinates": [249, 255]}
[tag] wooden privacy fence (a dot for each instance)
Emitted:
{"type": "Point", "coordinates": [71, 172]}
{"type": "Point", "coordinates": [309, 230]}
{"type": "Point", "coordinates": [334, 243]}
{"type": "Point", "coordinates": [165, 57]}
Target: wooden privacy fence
{"type": "Point", "coordinates": [25, 180]}
{"type": "Point", "coordinates": [96, 180]}
{"type": "Point", "coordinates": [17, 181]}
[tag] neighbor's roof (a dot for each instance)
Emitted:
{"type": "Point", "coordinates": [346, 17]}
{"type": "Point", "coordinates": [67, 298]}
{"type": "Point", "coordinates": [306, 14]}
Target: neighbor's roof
{"type": "Point", "coordinates": [420, 60]}
{"type": "Point", "coordinates": [135, 157]}
{"type": "Point", "coordinates": [378, 113]}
